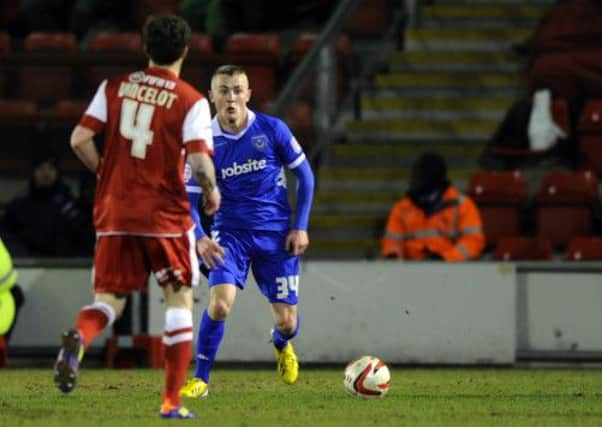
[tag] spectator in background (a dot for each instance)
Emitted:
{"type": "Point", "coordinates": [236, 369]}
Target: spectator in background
{"type": "Point", "coordinates": [434, 221]}
{"type": "Point", "coordinates": [565, 62]}
{"type": "Point", "coordinates": [44, 221]}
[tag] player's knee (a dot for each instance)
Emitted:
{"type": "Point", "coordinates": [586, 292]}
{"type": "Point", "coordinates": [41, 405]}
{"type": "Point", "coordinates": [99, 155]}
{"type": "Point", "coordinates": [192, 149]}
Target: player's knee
{"type": "Point", "coordinates": [287, 325]}
{"type": "Point", "coordinates": [219, 309]}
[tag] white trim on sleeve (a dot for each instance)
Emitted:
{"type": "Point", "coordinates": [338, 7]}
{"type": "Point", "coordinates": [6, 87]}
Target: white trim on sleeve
{"type": "Point", "coordinates": [98, 106]}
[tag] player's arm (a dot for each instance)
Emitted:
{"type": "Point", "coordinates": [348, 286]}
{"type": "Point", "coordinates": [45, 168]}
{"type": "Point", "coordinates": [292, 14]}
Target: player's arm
{"type": "Point", "coordinates": [82, 143]}
{"type": "Point", "coordinates": [209, 250]}
{"type": "Point", "coordinates": [297, 240]}
{"type": "Point", "coordinates": [203, 173]}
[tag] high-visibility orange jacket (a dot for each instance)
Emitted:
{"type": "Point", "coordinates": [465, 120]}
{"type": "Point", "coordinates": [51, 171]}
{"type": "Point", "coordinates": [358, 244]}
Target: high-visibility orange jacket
{"type": "Point", "coordinates": [454, 231]}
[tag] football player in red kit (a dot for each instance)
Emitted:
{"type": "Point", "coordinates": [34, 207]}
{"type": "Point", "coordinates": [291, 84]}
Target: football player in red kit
{"type": "Point", "coordinates": [151, 121]}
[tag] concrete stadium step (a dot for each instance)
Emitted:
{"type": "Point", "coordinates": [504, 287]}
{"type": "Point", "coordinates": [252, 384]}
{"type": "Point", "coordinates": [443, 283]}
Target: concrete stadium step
{"type": "Point", "coordinates": [392, 180]}
{"type": "Point", "coordinates": [327, 226]}
{"type": "Point", "coordinates": [443, 92]}
{"type": "Point", "coordinates": [343, 249]}
{"type": "Point", "coordinates": [481, 15]}
{"type": "Point", "coordinates": [450, 108]}
{"type": "Point", "coordinates": [439, 80]}
{"type": "Point", "coordinates": [464, 39]}
{"type": "Point", "coordinates": [422, 130]}
{"type": "Point", "coordinates": [401, 155]}
{"type": "Point", "coordinates": [455, 61]}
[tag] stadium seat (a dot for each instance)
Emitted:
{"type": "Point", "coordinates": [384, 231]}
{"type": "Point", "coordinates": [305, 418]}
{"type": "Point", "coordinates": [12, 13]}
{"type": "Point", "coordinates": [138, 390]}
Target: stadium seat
{"type": "Point", "coordinates": [141, 9]}
{"type": "Point", "coordinates": [4, 52]}
{"type": "Point", "coordinates": [49, 77]}
{"type": "Point", "coordinates": [501, 197]}
{"type": "Point", "coordinates": [18, 135]}
{"type": "Point", "coordinates": [299, 118]}
{"type": "Point", "coordinates": [564, 205]}
{"type": "Point", "coordinates": [58, 125]}
{"type": "Point", "coordinates": [129, 351]}
{"type": "Point", "coordinates": [522, 249]}
{"type": "Point", "coordinates": [369, 19]}
{"type": "Point", "coordinates": [590, 153]}
{"type": "Point", "coordinates": [112, 54]}
{"type": "Point", "coordinates": [591, 118]}
{"type": "Point", "coordinates": [302, 45]}
{"type": "Point", "coordinates": [584, 248]}
{"type": "Point", "coordinates": [199, 63]}
{"type": "Point", "coordinates": [259, 54]}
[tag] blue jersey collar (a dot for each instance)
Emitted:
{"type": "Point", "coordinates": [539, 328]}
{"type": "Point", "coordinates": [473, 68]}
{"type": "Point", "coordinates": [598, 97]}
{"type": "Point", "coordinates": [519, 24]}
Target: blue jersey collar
{"type": "Point", "coordinates": [218, 131]}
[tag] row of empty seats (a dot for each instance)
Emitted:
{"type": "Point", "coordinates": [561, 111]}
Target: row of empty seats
{"type": "Point", "coordinates": [564, 205]}
{"type": "Point", "coordinates": [50, 67]}
{"type": "Point", "coordinates": [581, 248]}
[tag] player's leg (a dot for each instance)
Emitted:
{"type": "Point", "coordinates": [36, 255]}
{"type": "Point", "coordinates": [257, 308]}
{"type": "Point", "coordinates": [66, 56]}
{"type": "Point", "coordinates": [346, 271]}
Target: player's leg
{"type": "Point", "coordinates": [286, 327]}
{"type": "Point", "coordinates": [112, 281]}
{"type": "Point", "coordinates": [277, 274]}
{"type": "Point", "coordinates": [177, 340]}
{"type": "Point", "coordinates": [223, 281]}
{"type": "Point", "coordinates": [175, 266]}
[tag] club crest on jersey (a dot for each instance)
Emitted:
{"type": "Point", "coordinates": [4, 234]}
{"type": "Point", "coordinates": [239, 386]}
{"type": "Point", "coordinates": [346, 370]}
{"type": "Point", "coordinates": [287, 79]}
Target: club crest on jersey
{"type": "Point", "coordinates": [260, 141]}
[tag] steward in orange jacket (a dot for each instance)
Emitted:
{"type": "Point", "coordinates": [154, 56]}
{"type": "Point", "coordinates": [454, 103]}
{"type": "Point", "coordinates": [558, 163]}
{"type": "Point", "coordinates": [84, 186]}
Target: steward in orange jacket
{"type": "Point", "coordinates": [434, 220]}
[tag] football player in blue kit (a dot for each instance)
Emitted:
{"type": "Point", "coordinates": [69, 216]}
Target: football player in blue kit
{"type": "Point", "coordinates": [253, 228]}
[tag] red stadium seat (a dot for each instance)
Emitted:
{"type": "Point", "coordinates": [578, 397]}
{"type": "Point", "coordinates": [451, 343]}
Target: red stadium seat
{"type": "Point", "coordinates": [584, 248]}
{"type": "Point", "coordinates": [48, 80]}
{"type": "Point", "coordinates": [199, 64]}
{"type": "Point", "coordinates": [591, 117]}
{"type": "Point", "coordinates": [500, 197]}
{"type": "Point", "coordinates": [141, 9]}
{"type": "Point", "coordinates": [590, 152]}
{"type": "Point", "coordinates": [299, 118]}
{"type": "Point", "coordinates": [564, 204]}
{"type": "Point", "coordinates": [18, 136]}
{"type": "Point", "coordinates": [523, 248]}
{"type": "Point", "coordinates": [4, 44]}
{"type": "Point", "coordinates": [3, 352]}
{"type": "Point", "coordinates": [259, 54]}
{"type": "Point", "coordinates": [112, 54]}
{"type": "Point", "coordinates": [369, 19]}
{"type": "Point", "coordinates": [302, 45]}
{"type": "Point", "coordinates": [4, 52]}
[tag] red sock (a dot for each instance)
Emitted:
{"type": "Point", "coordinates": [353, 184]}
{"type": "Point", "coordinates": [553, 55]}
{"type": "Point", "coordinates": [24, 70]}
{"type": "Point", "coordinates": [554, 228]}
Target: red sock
{"type": "Point", "coordinates": [177, 339]}
{"type": "Point", "coordinates": [177, 360]}
{"type": "Point", "coordinates": [91, 321]}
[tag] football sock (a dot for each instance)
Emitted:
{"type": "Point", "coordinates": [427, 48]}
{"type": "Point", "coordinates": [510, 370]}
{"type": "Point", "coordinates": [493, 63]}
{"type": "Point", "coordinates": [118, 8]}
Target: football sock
{"type": "Point", "coordinates": [210, 337]}
{"type": "Point", "coordinates": [177, 339]}
{"type": "Point", "coordinates": [280, 340]}
{"type": "Point", "coordinates": [92, 319]}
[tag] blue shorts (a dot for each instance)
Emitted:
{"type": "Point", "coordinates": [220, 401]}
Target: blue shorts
{"type": "Point", "coordinates": [275, 270]}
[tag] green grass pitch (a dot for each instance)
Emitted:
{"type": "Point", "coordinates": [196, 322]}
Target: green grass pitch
{"type": "Point", "coordinates": [245, 398]}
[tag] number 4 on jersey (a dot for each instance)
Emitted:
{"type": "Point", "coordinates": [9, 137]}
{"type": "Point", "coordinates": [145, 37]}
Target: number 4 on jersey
{"type": "Point", "coordinates": [134, 125]}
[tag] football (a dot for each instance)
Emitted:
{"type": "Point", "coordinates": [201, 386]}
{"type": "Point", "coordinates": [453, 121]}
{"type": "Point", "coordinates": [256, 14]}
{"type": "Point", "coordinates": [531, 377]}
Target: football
{"type": "Point", "coordinates": [367, 377]}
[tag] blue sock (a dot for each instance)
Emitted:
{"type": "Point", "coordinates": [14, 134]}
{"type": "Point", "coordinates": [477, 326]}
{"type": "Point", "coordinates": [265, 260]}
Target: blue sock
{"type": "Point", "coordinates": [280, 340]}
{"type": "Point", "coordinates": [210, 336]}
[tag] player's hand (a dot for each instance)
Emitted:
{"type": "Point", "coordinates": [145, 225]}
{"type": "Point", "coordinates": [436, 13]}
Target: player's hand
{"type": "Point", "coordinates": [210, 251]}
{"type": "Point", "coordinates": [212, 201]}
{"type": "Point", "coordinates": [296, 242]}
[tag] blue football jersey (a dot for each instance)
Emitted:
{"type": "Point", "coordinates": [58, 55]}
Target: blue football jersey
{"type": "Point", "coordinates": [249, 168]}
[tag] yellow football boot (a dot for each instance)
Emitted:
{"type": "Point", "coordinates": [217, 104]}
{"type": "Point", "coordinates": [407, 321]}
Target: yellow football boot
{"type": "Point", "coordinates": [288, 365]}
{"type": "Point", "coordinates": [194, 387]}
